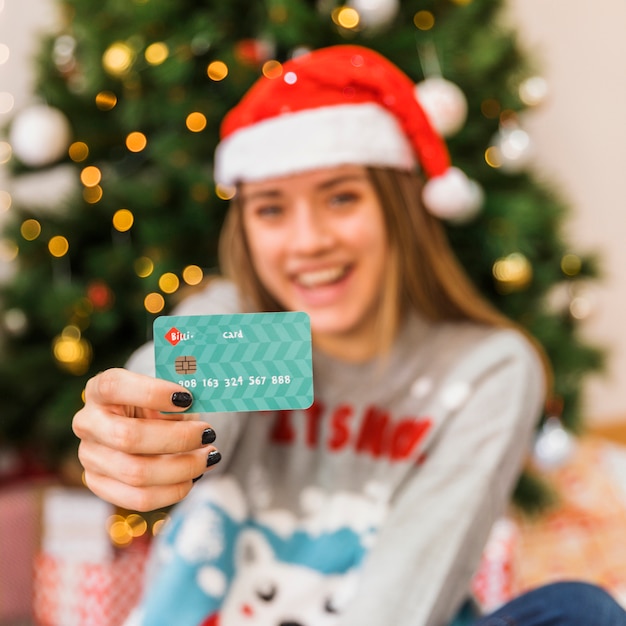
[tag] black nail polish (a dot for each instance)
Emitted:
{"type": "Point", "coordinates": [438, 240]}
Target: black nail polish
{"type": "Point", "coordinates": [213, 458]}
{"type": "Point", "coordinates": [197, 478]}
{"type": "Point", "coordinates": [181, 399]}
{"type": "Point", "coordinates": [208, 436]}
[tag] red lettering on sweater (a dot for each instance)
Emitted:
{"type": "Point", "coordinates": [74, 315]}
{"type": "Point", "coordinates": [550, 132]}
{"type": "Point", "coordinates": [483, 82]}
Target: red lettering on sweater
{"type": "Point", "coordinates": [378, 435]}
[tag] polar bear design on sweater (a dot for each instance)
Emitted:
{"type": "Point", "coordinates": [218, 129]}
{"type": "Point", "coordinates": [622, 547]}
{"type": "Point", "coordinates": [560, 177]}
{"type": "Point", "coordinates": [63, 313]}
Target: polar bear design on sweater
{"type": "Point", "coordinates": [272, 592]}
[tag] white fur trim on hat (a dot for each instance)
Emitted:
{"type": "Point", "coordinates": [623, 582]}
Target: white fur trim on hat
{"type": "Point", "coordinates": [360, 134]}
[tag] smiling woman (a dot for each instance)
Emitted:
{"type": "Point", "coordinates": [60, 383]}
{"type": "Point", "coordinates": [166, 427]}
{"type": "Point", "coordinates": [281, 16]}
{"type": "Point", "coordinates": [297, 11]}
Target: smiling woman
{"type": "Point", "coordinates": [371, 506]}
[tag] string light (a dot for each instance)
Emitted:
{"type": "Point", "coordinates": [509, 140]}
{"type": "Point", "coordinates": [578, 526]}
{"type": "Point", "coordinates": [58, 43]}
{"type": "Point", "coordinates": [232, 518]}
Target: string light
{"type": "Point", "coordinates": [493, 157]}
{"type": "Point", "coordinates": [118, 58]}
{"type": "Point", "coordinates": [225, 193]}
{"type": "Point", "coordinates": [193, 275]}
{"type": "Point", "coordinates": [5, 152]}
{"type": "Point", "coordinates": [123, 220]}
{"type": "Point", "coordinates": [512, 272]}
{"type": "Point", "coordinates": [78, 151]}
{"type": "Point", "coordinates": [217, 70]}
{"type": "Point", "coordinates": [58, 246]}
{"type": "Point", "coordinates": [345, 17]}
{"type": "Point", "coordinates": [169, 283]}
{"type": "Point", "coordinates": [156, 53]}
{"type": "Point", "coordinates": [196, 122]}
{"type": "Point", "coordinates": [4, 53]}
{"type": "Point", "coordinates": [144, 267]}
{"type": "Point", "coordinates": [90, 176]}
{"type": "Point", "coordinates": [6, 102]}
{"type": "Point", "coordinates": [8, 250]}
{"type": "Point", "coordinates": [5, 201]}
{"type": "Point", "coordinates": [30, 229]}
{"type": "Point", "coordinates": [424, 20]}
{"type": "Point", "coordinates": [106, 100]}
{"type": "Point", "coordinates": [136, 141]}
{"type": "Point", "coordinates": [571, 264]}
{"type": "Point", "coordinates": [93, 195]}
{"type": "Point", "coordinates": [272, 69]}
{"type": "Point", "coordinates": [72, 351]}
{"type": "Point", "coordinates": [154, 303]}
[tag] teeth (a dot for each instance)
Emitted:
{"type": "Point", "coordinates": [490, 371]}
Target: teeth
{"type": "Point", "coordinates": [321, 277]}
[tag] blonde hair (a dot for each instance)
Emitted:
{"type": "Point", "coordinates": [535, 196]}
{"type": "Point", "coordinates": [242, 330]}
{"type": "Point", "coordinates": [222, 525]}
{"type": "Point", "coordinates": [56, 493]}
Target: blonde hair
{"type": "Point", "coordinates": [423, 274]}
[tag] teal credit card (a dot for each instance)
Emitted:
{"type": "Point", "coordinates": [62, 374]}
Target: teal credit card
{"type": "Point", "coordinates": [238, 362]}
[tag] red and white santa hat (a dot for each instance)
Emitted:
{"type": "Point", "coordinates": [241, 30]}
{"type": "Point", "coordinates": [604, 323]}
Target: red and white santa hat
{"type": "Point", "coordinates": [333, 106]}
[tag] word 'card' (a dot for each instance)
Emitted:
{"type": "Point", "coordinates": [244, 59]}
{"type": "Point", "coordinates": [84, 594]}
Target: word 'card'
{"type": "Point", "coordinates": [238, 362]}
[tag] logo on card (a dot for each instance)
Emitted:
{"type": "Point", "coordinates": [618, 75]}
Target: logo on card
{"type": "Point", "coordinates": [174, 336]}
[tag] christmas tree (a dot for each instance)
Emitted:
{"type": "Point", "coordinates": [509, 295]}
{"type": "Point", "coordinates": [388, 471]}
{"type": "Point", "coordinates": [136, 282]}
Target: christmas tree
{"type": "Point", "coordinates": [134, 91]}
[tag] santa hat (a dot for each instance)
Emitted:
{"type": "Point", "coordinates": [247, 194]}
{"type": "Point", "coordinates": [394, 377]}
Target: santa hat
{"type": "Point", "coordinates": [334, 106]}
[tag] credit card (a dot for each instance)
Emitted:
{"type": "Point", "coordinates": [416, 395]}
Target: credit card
{"type": "Point", "coordinates": [237, 362]}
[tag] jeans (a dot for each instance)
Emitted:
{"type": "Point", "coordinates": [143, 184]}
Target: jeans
{"type": "Point", "coordinates": [556, 604]}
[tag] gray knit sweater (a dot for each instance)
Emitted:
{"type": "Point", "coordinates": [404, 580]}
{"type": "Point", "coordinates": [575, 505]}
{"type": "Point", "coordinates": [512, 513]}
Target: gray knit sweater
{"type": "Point", "coordinates": [371, 507]}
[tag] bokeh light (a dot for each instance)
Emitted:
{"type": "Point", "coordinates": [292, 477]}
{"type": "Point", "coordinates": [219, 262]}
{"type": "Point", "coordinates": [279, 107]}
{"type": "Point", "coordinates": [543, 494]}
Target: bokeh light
{"type": "Point", "coordinates": [78, 151]}
{"type": "Point", "coordinates": [217, 70]}
{"type": "Point", "coordinates": [424, 20]}
{"type": "Point", "coordinates": [154, 303]}
{"type": "Point", "coordinates": [157, 53]}
{"type": "Point", "coordinates": [30, 229]}
{"type": "Point", "coordinates": [106, 100]}
{"type": "Point", "coordinates": [123, 220]}
{"type": "Point", "coordinates": [196, 122]}
{"type": "Point", "coordinates": [144, 266]}
{"type": "Point", "coordinates": [136, 141]}
{"type": "Point", "coordinates": [169, 282]}
{"type": "Point", "coordinates": [193, 275]}
{"type": "Point", "coordinates": [90, 176]}
{"type": "Point", "coordinates": [58, 246]}
{"type": "Point", "coordinates": [272, 69]}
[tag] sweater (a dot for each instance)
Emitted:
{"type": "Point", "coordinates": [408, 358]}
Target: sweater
{"type": "Point", "coordinates": [372, 506]}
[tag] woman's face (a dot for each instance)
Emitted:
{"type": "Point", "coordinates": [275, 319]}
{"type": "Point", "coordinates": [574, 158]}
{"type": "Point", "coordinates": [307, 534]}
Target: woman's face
{"type": "Point", "coordinates": [318, 243]}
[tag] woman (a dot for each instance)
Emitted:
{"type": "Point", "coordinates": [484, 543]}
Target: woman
{"type": "Point", "coordinates": [373, 505]}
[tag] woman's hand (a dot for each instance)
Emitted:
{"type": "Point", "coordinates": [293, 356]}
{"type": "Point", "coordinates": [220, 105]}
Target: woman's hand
{"type": "Point", "coordinates": [134, 455]}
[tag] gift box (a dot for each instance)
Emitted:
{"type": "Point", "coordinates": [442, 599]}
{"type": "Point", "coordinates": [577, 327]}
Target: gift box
{"type": "Point", "coordinates": [495, 581]}
{"type": "Point", "coordinates": [19, 542]}
{"type": "Point", "coordinates": [80, 578]}
{"type": "Point", "coordinates": [80, 593]}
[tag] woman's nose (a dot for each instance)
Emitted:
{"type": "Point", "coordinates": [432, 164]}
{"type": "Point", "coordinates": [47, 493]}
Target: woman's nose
{"type": "Point", "coordinates": [309, 231]}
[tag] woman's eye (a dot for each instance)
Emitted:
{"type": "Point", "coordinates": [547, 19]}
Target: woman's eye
{"type": "Point", "coordinates": [271, 210]}
{"type": "Point", "coordinates": [342, 199]}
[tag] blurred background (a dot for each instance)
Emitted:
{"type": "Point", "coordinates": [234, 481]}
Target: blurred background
{"type": "Point", "coordinates": [534, 95]}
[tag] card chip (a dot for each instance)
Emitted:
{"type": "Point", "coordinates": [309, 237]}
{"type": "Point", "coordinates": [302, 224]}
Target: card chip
{"type": "Point", "coordinates": [186, 365]}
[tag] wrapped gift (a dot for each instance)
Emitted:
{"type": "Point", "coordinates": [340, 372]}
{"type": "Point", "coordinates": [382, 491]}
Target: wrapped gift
{"type": "Point", "coordinates": [19, 541]}
{"type": "Point", "coordinates": [80, 578]}
{"type": "Point", "coordinates": [495, 580]}
{"type": "Point", "coordinates": [79, 593]}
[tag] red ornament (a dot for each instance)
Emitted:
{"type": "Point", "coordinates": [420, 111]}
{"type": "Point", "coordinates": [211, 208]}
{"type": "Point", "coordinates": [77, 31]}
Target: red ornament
{"type": "Point", "coordinates": [99, 294]}
{"type": "Point", "coordinates": [252, 51]}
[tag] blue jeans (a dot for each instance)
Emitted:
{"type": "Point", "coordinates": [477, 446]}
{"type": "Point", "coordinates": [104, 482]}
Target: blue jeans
{"type": "Point", "coordinates": [556, 604]}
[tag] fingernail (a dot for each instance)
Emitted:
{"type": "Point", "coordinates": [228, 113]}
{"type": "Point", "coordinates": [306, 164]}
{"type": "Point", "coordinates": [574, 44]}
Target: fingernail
{"type": "Point", "coordinates": [197, 478]}
{"type": "Point", "coordinates": [182, 399]}
{"type": "Point", "coordinates": [208, 436]}
{"type": "Point", "coordinates": [213, 458]}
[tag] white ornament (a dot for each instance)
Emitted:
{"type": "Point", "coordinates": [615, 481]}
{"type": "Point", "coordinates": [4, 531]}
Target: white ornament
{"type": "Point", "coordinates": [40, 135]}
{"type": "Point", "coordinates": [444, 103]}
{"type": "Point", "coordinates": [553, 446]}
{"type": "Point", "coordinates": [373, 13]}
{"type": "Point", "coordinates": [514, 147]}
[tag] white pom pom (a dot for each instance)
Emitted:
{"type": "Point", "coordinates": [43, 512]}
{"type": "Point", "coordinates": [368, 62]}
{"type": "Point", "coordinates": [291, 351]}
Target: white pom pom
{"type": "Point", "coordinates": [452, 196]}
